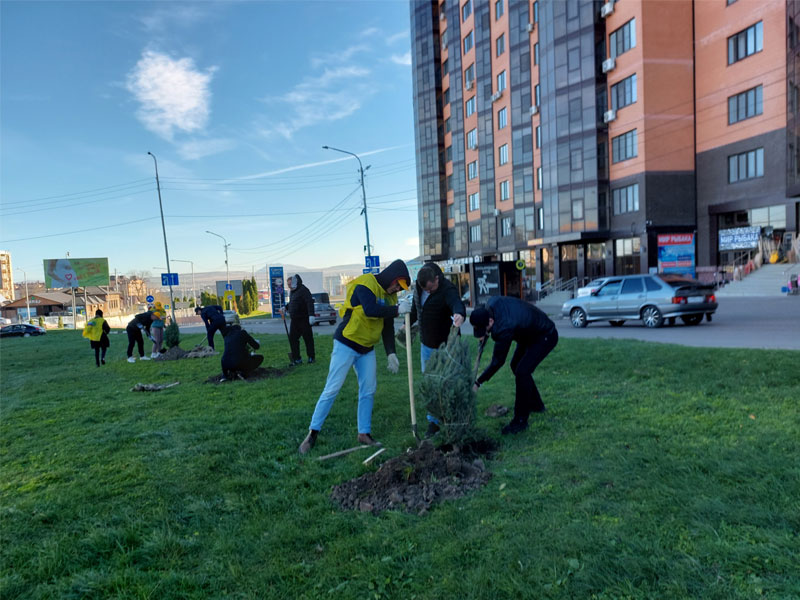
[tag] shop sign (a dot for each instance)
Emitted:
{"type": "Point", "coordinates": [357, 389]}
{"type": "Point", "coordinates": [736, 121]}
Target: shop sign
{"type": "Point", "coordinates": [739, 238]}
{"type": "Point", "coordinates": [676, 253]}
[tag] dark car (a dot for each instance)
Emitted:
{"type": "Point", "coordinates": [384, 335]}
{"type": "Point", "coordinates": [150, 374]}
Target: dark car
{"type": "Point", "coordinates": [651, 298]}
{"type": "Point", "coordinates": [323, 311]}
{"type": "Point", "coordinates": [22, 330]}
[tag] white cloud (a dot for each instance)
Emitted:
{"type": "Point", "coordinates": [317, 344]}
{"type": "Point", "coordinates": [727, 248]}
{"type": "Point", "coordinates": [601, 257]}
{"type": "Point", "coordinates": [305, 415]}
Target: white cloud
{"type": "Point", "coordinates": [413, 242]}
{"type": "Point", "coordinates": [177, 15]}
{"type": "Point", "coordinates": [173, 94]}
{"type": "Point", "coordinates": [393, 39]}
{"type": "Point", "coordinates": [333, 58]}
{"type": "Point", "coordinates": [401, 59]}
{"type": "Point", "coordinates": [196, 149]}
{"type": "Point", "coordinates": [369, 31]}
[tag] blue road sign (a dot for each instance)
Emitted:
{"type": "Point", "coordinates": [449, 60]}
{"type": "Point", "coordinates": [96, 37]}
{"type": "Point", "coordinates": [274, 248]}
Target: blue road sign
{"type": "Point", "coordinates": [372, 262]}
{"type": "Point", "coordinates": [149, 298]}
{"type": "Point", "coordinates": [374, 271]}
{"type": "Point", "coordinates": [169, 279]}
{"type": "Point", "coordinates": [228, 287]}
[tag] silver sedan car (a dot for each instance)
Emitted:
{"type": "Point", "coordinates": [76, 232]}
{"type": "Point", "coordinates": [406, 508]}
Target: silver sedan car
{"type": "Point", "coordinates": [651, 298]}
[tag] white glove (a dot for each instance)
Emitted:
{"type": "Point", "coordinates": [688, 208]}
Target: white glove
{"type": "Point", "coordinates": [311, 320]}
{"type": "Point", "coordinates": [393, 363]}
{"type": "Point", "coordinates": [403, 308]}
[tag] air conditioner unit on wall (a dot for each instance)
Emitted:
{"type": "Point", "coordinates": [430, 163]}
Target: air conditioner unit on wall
{"type": "Point", "coordinates": [607, 9]}
{"type": "Point", "coordinates": [531, 27]}
{"type": "Point", "coordinates": [609, 64]}
{"type": "Point", "coordinates": [609, 115]}
{"type": "Point", "coordinates": [534, 110]}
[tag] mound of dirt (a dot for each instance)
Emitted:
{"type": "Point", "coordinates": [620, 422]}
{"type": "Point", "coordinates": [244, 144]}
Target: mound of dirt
{"type": "Point", "coordinates": [413, 481]}
{"type": "Point", "coordinates": [259, 373]}
{"type": "Point", "coordinates": [176, 352]}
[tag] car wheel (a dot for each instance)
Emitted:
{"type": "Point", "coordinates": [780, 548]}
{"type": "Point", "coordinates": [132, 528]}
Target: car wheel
{"type": "Point", "coordinates": [652, 317]}
{"type": "Point", "coordinates": [27, 335]}
{"type": "Point", "coordinates": [692, 319]}
{"type": "Point", "coordinates": [616, 323]}
{"type": "Point", "coordinates": [578, 317]}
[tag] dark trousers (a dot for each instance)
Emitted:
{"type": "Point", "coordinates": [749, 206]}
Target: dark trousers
{"type": "Point", "coordinates": [297, 329]}
{"type": "Point", "coordinates": [212, 328]}
{"type": "Point", "coordinates": [526, 358]}
{"type": "Point", "coordinates": [250, 363]}
{"type": "Point", "coordinates": [97, 353]}
{"type": "Point", "coordinates": [135, 337]}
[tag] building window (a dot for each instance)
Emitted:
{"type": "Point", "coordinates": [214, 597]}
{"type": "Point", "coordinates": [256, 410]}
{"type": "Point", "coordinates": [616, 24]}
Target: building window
{"type": "Point", "coordinates": [502, 118]}
{"type": "Point", "coordinates": [501, 81]}
{"type": "Point", "coordinates": [446, 96]}
{"type": "Point", "coordinates": [539, 178]}
{"type": "Point", "coordinates": [444, 40]}
{"type": "Point", "coordinates": [472, 138]}
{"type": "Point", "coordinates": [502, 152]}
{"type": "Point", "coordinates": [747, 165]}
{"type": "Point", "coordinates": [472, 169]}
{"type": "Point", "coordinates": [540, 218]}
{"type": "Point", "coordinates": [500, 44]}
{"type": "Point", "coordinates": [504, 190]}
{"type": "Point", "coordinates": [448, 153]}
{"type": "Point", "coordinates": [745, 105]}
{"type": "Point", "coordinates": [624, 147]}
{"type": "Point", "coordinates": [536, 53]}
{"type": "Point", "coordinates": [498, 9]}
{"type": "Point", "coordinates": [447, 125]}
{"type": "Point", "coordinates": [538, 136]}
{"type": "Point", "coordinates": [471, 106]}
{"type": "Point", "coordinates": [475, 233]}
{"type": "Point", "coordinates": [576, 160]}
{"type": "Point", "coordinates": [625, 199]}
{"type": "Point", "coordinates": [469, 75]}
{"type": "Point", "coordinates": [577, 210]}
{"type": "Point", "coordinates": [623, 93]}
{"type": "Point", "coordinates": [745, 43]}
{"type": "Point", "coordinates": [449, 182]}
{"type": "Point", "coordinates": [468, 41]}
{"type": "Point", "coordinates": [466, 10]}
{"type": "Point", "coordinates": [623, 39]}
{"type": "Point", "coordinates": [536, 12]}
{"type": "Point", "coordinates": [450, 211]}
{"type": "Point", "coordinates": [445, 67]}
{"type": "Point", "coordinates": [537, 97]}
{"type": "Point", "coordinates": [474, 201]}
{"type": "Point", "coordinates": [505, 227]}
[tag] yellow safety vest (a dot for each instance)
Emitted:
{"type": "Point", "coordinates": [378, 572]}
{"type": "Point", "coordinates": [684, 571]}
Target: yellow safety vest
{"type": "Point", "coordinates": [94, 329]}
{"type": "Point", "coordinates": [361, 329]}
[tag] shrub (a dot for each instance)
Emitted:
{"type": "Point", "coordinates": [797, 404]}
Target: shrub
{"type": "Point", "coordinates": [172, 335]}
{"type": "Point", "coordinates": [41, 321]}
{"type": "Point", "coordinates": [61, 322]}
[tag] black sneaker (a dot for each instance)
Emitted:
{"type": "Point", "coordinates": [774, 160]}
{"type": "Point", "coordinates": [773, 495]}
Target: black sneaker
{"type": "Point", "coordinates": [296, 363]}
{"type": "Point", "coordinates": [514, 427]}
{"type": "Point", "coordinates": [433, 429]}
{"type": "Point", "coordinates": [311, 360]}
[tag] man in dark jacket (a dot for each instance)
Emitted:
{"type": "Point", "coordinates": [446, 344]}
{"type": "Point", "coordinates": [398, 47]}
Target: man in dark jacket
{"type": "Point", "coordinates": [301, 313]}
{"type": "Point", "coordinates": [512, 320]}
{"type": "Point", "coordinates": [438, 307]}
{"type": "Point", "coordinates": [140, 323]}
{"type": "Point", "coordinates": [214, 320]}
{"type": "Point", "coordinates": [237, 359]}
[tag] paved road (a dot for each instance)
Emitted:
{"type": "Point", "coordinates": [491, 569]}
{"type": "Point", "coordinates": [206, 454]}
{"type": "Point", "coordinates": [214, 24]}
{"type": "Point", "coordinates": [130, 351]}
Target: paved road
{"type": "Point", "coordinates": [772, 323]}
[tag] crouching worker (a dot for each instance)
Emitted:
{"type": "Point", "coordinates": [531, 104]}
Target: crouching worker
{"type": "Point", "coordinates": [140, 323]}
{"type": "Point", "coordinates": [370, 307]}
{"type": "Point", "coordinates": [237, 360]}
{"type": "Point", "coordinates": [97, 331]}
{"type": "Point", "coordinates": [512, 320]}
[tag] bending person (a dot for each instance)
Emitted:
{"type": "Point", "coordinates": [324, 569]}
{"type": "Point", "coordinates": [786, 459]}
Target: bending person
{"type": "Point", "coordinates": [237, 359]}
{"type": "Point", "coordinates": [214, 320]}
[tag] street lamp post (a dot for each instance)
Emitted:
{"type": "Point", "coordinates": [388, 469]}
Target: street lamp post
{"type": "Point", "coordinates": [226, 244]}
{"type": "Point", "coordinates": [194, 294]}
{"type": "Point", "coordinates": [363, 191]}
{"type": "Point", "coordinates": [164, 231]}
{"type": "Point", "coordinates": [27, 297]}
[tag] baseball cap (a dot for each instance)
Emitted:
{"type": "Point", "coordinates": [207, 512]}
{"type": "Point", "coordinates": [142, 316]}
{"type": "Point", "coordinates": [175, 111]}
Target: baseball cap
{"type": "Point", "coordinates": [479, 319]}
{"type": "Point", "coordinates": [402, 282]}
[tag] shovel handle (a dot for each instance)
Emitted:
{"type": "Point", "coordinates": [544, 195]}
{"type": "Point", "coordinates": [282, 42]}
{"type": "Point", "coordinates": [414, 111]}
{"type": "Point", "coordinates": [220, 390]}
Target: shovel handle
{"type": "Point", "coordinates": [410, 373]}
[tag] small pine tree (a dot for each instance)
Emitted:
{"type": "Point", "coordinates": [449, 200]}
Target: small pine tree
{"type": "Point", "coordinates": [172, 335]}
{"type": "Point", "coordinates": [41, 321]}
{"type": "Point", "coordinates": [60, 322]}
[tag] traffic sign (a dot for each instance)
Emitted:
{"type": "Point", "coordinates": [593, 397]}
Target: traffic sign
{"type": "Point", "coordinates": [374, 271]}
{"type": "Point", "coordinates": [372, 262]}
{"type": "Point", "coordinates": [149, 298]}
{"type": "Point", "coordinates": [169, 279]}
{"type": "Point", "coordinates": [228, 287]}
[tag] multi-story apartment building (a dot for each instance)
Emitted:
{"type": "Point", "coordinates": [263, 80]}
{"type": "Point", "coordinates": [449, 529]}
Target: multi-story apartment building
{"type": "Point", "coordinates": [568, 138]}
{"type": "Point", "coordinates": [6, 276]}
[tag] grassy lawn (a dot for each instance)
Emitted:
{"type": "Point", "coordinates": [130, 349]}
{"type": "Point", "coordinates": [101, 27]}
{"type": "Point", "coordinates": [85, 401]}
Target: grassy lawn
{"type": "Point", "coordinates": [657, 472]}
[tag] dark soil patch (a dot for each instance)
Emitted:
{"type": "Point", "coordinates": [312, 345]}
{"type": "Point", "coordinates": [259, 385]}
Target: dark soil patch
{"type": "Point", "coordinates": [413, 481]}
{"type": "Point", "coordinates": [173, 353]}
{"type": "Point", "coordinates": [258, 374]}
{"type": "Point", "coordinates": [473, 448]}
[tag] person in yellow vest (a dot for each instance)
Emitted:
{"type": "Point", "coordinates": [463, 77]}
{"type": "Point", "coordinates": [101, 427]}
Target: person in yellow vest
{"type": "Point", "coordinates": [97, 331]}
{"type": "Point", "coordinates": [368, 314]}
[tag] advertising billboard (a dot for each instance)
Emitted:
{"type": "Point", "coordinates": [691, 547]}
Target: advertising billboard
{"type": "Point", "coordinates": [487, 281]}
{"type": "Point", "coordinates": [75, 272]}
{"type": "Point", "coordinates": [676, 253]}
{"type": "Point", "coordinates": [277, 291]}
{"type": "Point", "coordinates": [739, 238]}
{"type": "Point", "coordinates": [235, 286]}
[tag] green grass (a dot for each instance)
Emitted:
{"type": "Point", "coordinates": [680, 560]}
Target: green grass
{"type": "Point", "coordinates": [256, 314]}
{"type": "Point", "coordinates": [657, 472]}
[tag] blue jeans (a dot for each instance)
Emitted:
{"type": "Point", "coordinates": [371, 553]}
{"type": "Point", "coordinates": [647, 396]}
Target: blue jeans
{"type": "Point", "coordinates": [342, 358]}
{"type": "Point", "coordinates": [425, 353]}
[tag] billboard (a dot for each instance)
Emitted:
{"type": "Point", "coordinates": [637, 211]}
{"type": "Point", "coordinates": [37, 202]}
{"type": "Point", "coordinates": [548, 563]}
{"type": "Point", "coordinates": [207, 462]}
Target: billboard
{"type": "Point", "coordinates": [277, 291]}
{"type": "Point", "coordinates": [676, 253]}
{"type": "Point", "coordinates": [487, 282]}
{"type": "Point", "coordinates": [75, 272]}
{"type": "Point", "coordinates": [739, 238]}
{"type": "Point", "coordinates": [236, 286]}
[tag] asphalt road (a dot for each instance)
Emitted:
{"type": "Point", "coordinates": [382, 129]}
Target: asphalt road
{"type": "Point", "coordinates": [772, 323]}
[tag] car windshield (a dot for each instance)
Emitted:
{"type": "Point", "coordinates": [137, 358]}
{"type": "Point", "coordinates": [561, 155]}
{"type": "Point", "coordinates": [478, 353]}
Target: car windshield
{"type": "Point", "coordinates": [321, 298]}
{"type": "Point", "coordinates": [678, 281]}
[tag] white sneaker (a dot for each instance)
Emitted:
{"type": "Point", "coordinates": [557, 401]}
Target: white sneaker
{"type": "Point", "coordinates": [145, 358]}
{"type": "Point", "coordinates": [131, 359]}
{"type": "Point", "coordinates": [154, 355]}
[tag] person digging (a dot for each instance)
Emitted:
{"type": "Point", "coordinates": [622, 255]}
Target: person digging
{"type": "Point", "coordinates": [512, 320]}
{"type": "Point", "coordinates": [237, 360]}
{"type": "Point", "coordinates": [301, 315]}
{"type": "Point", "coordinates": [368, 313]}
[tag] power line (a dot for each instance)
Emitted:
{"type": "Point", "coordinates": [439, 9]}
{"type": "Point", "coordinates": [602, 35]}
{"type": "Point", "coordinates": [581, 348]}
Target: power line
{"type": "Point", "coordinates": [39, 237]}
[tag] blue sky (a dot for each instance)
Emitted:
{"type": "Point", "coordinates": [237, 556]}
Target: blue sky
{"type": "Point", "coordinates": [236, 100]}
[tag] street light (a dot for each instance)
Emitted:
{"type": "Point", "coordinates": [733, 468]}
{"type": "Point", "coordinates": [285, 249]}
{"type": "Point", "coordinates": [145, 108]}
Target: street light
{"type": "Point", "coordinates": [164, 231]}
{"type": "Point", "coordinates": [194, 294]}
{"type": "Point", "coordinates": [363, 191]}
{"type": "Point", "coordinates": [27, 297]}
{"type": "Point", "coordinates": [226, 244]}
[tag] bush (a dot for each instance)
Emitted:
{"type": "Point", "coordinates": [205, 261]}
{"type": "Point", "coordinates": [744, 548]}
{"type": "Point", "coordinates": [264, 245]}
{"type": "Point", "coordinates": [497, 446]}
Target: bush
{"type": "Point", "coordinates": [41, 321]}
{"type": "Point", "coordinates": [172, 335]}
{"type": "Point", "coordinates": [61, 322]}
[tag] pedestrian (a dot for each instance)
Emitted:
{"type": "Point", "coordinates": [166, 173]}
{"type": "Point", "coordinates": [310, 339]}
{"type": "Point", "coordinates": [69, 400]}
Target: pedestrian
{"type": "Point", "coordinates": [140, 323]}
{"type": "Point", "coordinates": [157, 329]}
{"type": "Point", "coordinates": [368, 313]}
{"type": "Point", "coordinates": [512, 320]}
{"type": "Point", "coordinates": [237, 359]}
{"type": "Point", "coordinates": [97, 331]}
{"type": "Point", "coordinates": [214, 319]}
{"type": "Point", "coordinates": [438, 307]}
{"type": "Point", "coordinates": [301, 315]}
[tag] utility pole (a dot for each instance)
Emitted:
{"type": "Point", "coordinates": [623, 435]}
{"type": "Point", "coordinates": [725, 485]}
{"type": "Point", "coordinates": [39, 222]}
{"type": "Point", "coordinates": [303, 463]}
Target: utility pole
{"type": "Point", "coordinates": [27, 297]}
{"type": "Point", "coordinates": [164, 231]}
{"type": "Point", "coordinates": [363, 192]}
{"type": "Point", "coordinates": [227, 272]}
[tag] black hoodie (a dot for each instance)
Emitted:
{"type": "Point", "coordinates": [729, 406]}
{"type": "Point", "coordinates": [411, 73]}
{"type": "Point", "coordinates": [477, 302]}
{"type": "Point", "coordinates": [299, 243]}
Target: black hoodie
{"type": "Point", "coordinates": [301, 302]}
{"type": "Point", "coordinates": [434, 315]}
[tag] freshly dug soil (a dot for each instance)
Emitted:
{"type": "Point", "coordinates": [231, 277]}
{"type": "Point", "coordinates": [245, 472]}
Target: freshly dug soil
{"type": "Point", "coordinates": [413, 481]}
{"type": "Point", "coordinates": [176, 352]}
{"type": "Point", "coordinates": [259, 373]}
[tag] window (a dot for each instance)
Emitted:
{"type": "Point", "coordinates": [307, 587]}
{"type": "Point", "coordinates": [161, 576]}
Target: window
{"type": "Point", "coordinates": [624, 147]}
{"type": "Point", "coordinates": [747, 165]}
{"type": "Point", "coordinates": [471, 106]}
{"type": "Point", "coordinates": [538, 136]}
{"type": "Point", "coordinates": [472, 170]}
{"type": "Point", "coordinates": [468, 41]}
{"type": "Point", "coordinates": [537, 97]}
{"type": "Point", "coordinates": [535, 12]}
{"type": "Point", "coordinates": [466, 10]}
{"type": "Point", "coordinates": [505, 227]}
{"type": "Point", "coordinates": [447, 125]}
{"type": "Point", "coordinates": [502, 152]}
{"type": "Point", "coordinates": [474, 201]}
{"type": "Point", "coordinates": [448, 153]}
{"type": "Point", "coordinates": [501, 81]}
{"type": "Point", "coordinates": [539, 178]}
{"type": "Point", "coordinates": [449, 182]}
{"type": "Point", "coordinates": [745, 43]}
{"type": "Point", "coordinates": [577, 210]}
{"type": "Point", "coordinates": [624, 92]}
{"type": "Point", "coordinates": [504, 189]}
{"type": "Point", "coordinates": [632, 286]}
{"type": "Point", "coordinates": [502, 118]}
{"type": "Point", "coordinates": [745, 105]}
{"type": "Point", "coordinates": [651, 285]}
{"type": "Point", "coordinates": [536, 53]}
{"type": "Point", "coordinates": [540, 218]}
{"type": "Point", "coordinates": [498, 9]}
{"type": "Point", "coordinates": [475, 233]}
{"type": "Point", "coordinates": [446, 96]}
{"type": "Point", "coordinates": [611, 288]}
{"type": "Point", "coordinates": [446, 66]}
{"type": "Point", "coordinates": [450, 211]}
{"type": "Point", "coordinates": [625, 199]}
{"type": "Point", "coordinates": [622, 39]}
{"type": "Point", "coordinates": [472, 138]}
{"type": "Point", "coordinates": [576, 160]}
{"type": "Point", "coordinates": [469, 75]}
{"type": "Point", "coordinates": [500, 44]}
{"type": "Point", "coordinates": [444, 39]}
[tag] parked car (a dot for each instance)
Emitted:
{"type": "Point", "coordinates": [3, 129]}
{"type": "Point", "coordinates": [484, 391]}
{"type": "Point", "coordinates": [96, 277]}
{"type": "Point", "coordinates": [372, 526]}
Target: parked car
{"type": "Point", "coordinates": [22, 330]}
{"type": "Point", "coordinates": [651, 298]}
{"type": "Point", "coordinates": [323, 311]}
{"type": "Point", "coordinates": [593, 286]}
{"type": "Point", "coordinates": [231, 318]}
{"type": "Point", "coordinates": [4, 321]}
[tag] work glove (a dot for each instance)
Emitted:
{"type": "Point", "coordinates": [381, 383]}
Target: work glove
{"type": "Point", "coordinates": [311, 319]}
{"type": "Point", "coordinates": [403, 308]}
{"type": "Point", "coordinates": [393, 363]}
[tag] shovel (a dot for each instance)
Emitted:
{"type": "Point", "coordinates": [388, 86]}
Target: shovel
{"type": "Point", "coordinates": [291, 358]}
{"type": "Point", "coordinates": [410, 376]}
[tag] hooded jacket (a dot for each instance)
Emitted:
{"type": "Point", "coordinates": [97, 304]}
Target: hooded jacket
{"type": "Point", "coordinates": [434, 315]}
{"type": "Point", "coordinates": [236, 342]}
{"type": "Point", "coordinates": [369, 310]}
{"type": "Point", "coordinates": [301, 302]}
{"type": "Point", "coordinates": [142, 321]}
